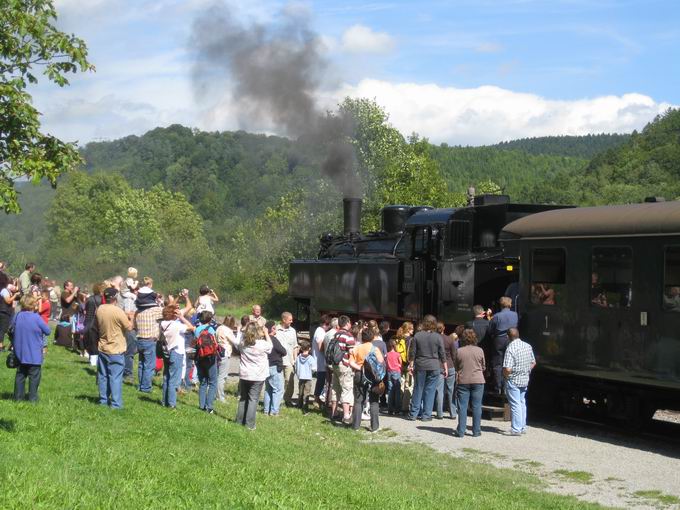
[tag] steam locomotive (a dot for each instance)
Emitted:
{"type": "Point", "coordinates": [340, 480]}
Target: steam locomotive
{"type": "Point", "coordinates": [597, 289]}
{"type": "Point", "coordinates": [422, 261]}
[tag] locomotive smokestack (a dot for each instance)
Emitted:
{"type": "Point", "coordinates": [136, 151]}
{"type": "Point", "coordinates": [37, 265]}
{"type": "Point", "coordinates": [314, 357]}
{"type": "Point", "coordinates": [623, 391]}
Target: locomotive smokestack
{"type": "Point", "coordinates": [351, 208]}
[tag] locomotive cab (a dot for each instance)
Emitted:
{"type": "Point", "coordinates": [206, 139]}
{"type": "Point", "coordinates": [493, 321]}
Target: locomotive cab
{"type": "Point", "coordinates": [452, 259]}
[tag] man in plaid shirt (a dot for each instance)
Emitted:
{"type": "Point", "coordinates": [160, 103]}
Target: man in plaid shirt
{"type": "Point", "coordinates": [148, 330]}
{"type": "Point", "coordinates": [518, 363]}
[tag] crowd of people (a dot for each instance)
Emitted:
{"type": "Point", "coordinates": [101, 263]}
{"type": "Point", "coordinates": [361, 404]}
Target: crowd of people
{"type": "Point", "coordinates": [350, 370]}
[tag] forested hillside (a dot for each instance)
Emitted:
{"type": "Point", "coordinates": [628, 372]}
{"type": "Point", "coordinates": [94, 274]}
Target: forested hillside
{"type": "Point", "coordinates": [223, 175]}
{"type": "Point", "coordinates": [648, 164]}
{"type": "Point", "coordinates": [585, 146]}
{"type": "Point", "coordinates": [233, 208]}
{"type": "Point", "coordinates": [516, 172]}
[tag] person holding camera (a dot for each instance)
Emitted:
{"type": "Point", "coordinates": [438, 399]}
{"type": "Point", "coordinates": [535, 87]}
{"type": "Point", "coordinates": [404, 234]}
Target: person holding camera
{"type": "Point", "coordinates": [206, 300]}
{"type": "Point", "coordinates": [8, 295]}
{"type": "Point", "coordinates": [174, 326]}
{"type": "Point", "coordinates": [68, 300]}
{"type": "Point", "coordinates": [255, 348]}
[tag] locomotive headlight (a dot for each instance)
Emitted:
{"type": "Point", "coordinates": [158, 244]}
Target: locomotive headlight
{"type": "Point", "coordinates": [509, 268]}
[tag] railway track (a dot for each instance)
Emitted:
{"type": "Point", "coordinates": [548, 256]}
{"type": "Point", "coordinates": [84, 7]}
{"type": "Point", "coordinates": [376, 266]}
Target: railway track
{"type": "Point", "coordinates": [661, 434]}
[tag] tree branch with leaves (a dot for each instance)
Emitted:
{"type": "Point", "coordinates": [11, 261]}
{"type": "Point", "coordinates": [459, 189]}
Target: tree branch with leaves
{"type": "Point", "coordinates": [30, 44]}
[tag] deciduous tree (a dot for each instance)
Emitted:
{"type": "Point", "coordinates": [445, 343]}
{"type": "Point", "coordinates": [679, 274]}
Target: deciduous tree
{"type": "Point", "coordinates": [30, 44]}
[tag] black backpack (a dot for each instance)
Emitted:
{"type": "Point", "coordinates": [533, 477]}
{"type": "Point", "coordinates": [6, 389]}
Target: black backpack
{"type": "Point", "coordinates": [162, 350]}
{"type": "Point", "coordinates": [334, 353]}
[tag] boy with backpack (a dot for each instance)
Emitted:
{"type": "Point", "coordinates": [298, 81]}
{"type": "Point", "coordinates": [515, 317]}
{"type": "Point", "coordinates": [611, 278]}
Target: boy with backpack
{"type": "Point", "coordinates": [369, 371]}
{"type": "Point", "coordinates": [305, 364]}
{"type": "Point", "coordinates": [205, 359]}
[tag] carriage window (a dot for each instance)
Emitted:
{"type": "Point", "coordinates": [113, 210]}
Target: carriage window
{"type": "Point", "coordinates": [547, 275]}
{"type": "Point", "coordinates": [611, 279]}
{"type": "Point", "coordinates": [671, 283]}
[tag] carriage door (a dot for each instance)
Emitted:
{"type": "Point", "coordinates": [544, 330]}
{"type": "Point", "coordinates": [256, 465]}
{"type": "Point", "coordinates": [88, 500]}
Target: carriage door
{"type": "Point", "coordinates": [611, 298]}
{"type": "Point", "coordinates": [547, 302]}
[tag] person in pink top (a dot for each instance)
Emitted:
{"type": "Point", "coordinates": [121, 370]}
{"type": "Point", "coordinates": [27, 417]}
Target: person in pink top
{"type": "Point", "coordinates": [394, 366]}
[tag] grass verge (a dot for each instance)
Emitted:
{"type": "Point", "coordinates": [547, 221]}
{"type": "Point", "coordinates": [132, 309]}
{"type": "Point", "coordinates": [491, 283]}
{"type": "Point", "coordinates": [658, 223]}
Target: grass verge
{"type": "Point", "coordinates": [576, 476]}
{"type": "Point", "coordinates": [659, 496]}
{"type": "Point", "coordinates": [69, 452]}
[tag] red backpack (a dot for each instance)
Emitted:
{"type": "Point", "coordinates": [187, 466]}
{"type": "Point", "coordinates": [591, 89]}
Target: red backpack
{"type": "Point", "coordinates": [206, 345]}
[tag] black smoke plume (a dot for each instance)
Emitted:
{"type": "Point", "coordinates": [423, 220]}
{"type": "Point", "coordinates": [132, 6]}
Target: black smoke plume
{"type": "Point", "coordinates": [274, 73]}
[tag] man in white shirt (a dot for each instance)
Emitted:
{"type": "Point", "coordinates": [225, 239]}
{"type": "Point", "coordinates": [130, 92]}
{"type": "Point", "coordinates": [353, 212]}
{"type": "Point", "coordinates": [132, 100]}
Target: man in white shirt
{"type": "Point", "coordinates": [288, 338]}
{"type": "Point", "coordinates": [518, 363]}
{"type": "Point", "coordinates": [257, 316]}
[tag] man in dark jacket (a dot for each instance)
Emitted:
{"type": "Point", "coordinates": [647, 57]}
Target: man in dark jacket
{"type": "Point", "coordinates": [480, 324]}
{"type": "Point", "coordinates": [498, 339]}
{"type": "Point", "coordinates": [426, 361]}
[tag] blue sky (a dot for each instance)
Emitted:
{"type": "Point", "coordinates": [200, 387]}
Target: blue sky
{"type": "Point", "coordinates": [460, 72]}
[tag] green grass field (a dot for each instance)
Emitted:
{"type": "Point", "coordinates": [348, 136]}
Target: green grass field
{"type": "Point", "coordinates": [69, 452]}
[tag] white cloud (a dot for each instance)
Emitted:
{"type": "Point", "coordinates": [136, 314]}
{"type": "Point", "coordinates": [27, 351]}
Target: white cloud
{"type": "Point", "coordinates": [361, 39]}
{"type": "Point", "coordinates": [474, 116]}
{"type": "Point", "coordinates": [487, 114]}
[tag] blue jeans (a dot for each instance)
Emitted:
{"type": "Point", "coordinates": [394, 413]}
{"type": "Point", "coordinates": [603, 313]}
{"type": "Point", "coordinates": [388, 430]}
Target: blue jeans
{"type": "Point", "coordinates": [320, 384]}
{"type": "Point", "coordinates": [518, 406]}
{"type": "Point", "coordinates": [207, 378]}
{"type": "Point", "coordinates": [110, 379]}
{"type": "Point", "coordinates": [172, 374]}
{"type": "Point", "coordinates": [147, 363]}
{"type": "Point", "coordinates": [394, 392]}
{"type": "Point", "coordinates": [446, 393]}
{"type": "Point", "coordinates": [273, 391]}
{"type": "Point", "coordinates": [423, 392]}
{"type": "Point", "coordinates": [131, 339]}
{"type": "Point", "coordinates": [471, 393]}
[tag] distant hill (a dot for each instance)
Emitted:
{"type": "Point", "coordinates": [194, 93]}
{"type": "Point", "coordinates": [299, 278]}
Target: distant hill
{"type": "Point", "coordinates": [223, 175]}
{"type": "Point", "coordinates": [515, 171]}
{"type": "Point", "coordinates": [647, 164]}
{"type": "Point", "coordinates": [584, 147]}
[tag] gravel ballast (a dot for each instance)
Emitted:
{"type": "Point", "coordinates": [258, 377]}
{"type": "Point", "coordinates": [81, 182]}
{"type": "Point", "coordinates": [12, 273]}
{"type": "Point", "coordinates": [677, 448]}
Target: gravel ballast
{"type": "Point", "coordinates": [594, 465]}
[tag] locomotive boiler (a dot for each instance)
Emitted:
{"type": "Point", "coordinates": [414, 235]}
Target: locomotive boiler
{"type": "Point", "coordinates": [422, 261]}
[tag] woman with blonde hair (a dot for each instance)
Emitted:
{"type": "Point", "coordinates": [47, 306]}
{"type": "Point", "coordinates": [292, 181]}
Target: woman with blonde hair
{"type": "Point", "coordinates": [402, 340]}
{"type": "Point", "coordinates": [253, 371]}
{"type": "Point", "coordinates": [29, 348]}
